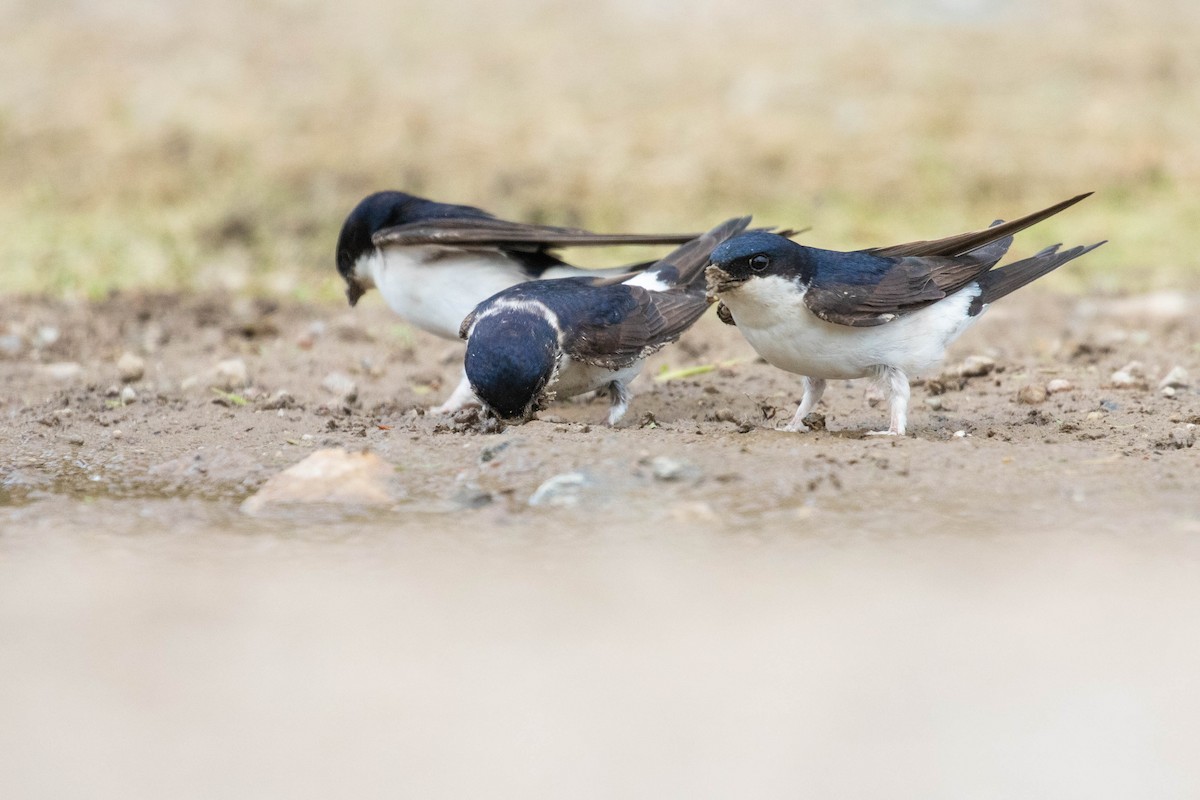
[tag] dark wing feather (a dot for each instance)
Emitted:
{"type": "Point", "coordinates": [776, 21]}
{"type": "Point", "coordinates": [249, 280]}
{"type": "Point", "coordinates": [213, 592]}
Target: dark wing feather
{"type": "Point", "coordinates": [966, 242]}
{"type": "Point", "coordinates": [629, 323]}
{"type": "Point", "coordinates": [502, 233]}
{"type": "Point", "coordinates": [907, 285]}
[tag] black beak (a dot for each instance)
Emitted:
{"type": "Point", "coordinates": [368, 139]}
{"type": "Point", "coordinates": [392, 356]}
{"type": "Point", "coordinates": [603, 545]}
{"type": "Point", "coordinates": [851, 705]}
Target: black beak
{"type": "Point", "coordinates": [353, 292]}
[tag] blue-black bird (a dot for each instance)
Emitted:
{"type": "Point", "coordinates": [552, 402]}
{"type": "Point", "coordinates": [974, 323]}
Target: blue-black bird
{"type": "Point", "coordinates": [885, 313]}
{"type": "Point", "coordinates": [550, 339]}
{"type": "Point", "coordinates": [434, 262]}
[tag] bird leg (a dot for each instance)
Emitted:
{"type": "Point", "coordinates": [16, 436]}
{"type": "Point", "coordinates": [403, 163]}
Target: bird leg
{"type": "Point", "coordinates": [462, 397]}
{"type": "Point", "coordinates": [895, 386]}
{"type": "Point", "coordinates": [813, 389]}
{"type": "Point", "coordinates": [620, 395]}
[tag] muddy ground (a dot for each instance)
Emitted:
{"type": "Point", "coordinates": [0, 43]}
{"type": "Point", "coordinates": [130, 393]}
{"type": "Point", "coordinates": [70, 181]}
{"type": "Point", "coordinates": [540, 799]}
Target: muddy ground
{"type": "Point", "coordinates": [715, 608]}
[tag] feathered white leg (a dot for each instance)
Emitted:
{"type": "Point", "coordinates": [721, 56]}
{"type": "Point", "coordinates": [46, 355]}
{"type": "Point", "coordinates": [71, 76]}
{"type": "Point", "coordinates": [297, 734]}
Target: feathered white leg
{"type": "Point", "coordinates": [621, 396]}
{"type": "Point", "coordinates": [895, 386]}
{"type": "Point", "coordinates": [461, 398]}
{"type": "Point", "coordinates": [813, 389]}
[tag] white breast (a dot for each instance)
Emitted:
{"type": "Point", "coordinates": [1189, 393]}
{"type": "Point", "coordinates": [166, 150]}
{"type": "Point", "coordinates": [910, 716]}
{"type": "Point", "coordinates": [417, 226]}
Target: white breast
{"type": "Point", "coordinates": [576, 377]}
{"type": "Point", "coordinates": [435, 288]}
{"type": "Point", "coordinates": [771, 314]}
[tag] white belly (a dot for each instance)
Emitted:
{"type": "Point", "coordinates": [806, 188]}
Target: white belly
{"type": "Point", "coordinates": [771, 314]}
{"type": "Point", "coordinates": [575, 377]}
{"type": "Point", "coordinates": [435, 289]}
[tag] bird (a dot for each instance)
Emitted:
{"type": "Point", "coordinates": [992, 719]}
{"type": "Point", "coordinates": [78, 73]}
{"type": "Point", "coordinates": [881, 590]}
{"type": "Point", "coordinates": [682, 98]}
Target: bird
{"type": "Point", "coordinates": [547, 339]}
{"type": "Point", "coordinates": [886, 313]}
{"type": "Point", "coordinates": [434, 262]}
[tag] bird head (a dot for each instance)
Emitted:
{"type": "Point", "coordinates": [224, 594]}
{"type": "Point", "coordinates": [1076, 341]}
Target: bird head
{"type": "Point", "coordinates": [512, 356]}
{"type": "Point", "coordinates": [354, 246]}
{"type": "Point", "coordinates": [757, 254]}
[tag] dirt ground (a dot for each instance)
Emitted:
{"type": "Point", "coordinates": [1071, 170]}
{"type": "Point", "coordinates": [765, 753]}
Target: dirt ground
{"type": "Point", "coordinates": [1094, 454]}
{"type": "Point", "coordinates": [714, 608]}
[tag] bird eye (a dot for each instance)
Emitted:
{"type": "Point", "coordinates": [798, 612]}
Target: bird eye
{"type": "Point", "coordinates": [759, 262]}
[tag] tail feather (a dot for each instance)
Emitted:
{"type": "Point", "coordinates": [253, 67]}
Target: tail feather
{"type": "Point", "coordinates": [684, 266]}
{"type": "Point", "coordinates": [966, 242]}
{"type": "Point", "coordinates": [997, 283]}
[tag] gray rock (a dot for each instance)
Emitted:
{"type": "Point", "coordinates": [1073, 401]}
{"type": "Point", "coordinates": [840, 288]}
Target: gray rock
{"type": "Point", "coordinates": [11, 345]}
{"type": "Point", "coordinates": [1177, 378]}
{"type": "Point", "coordinates": [1182, 437]}
{"type": "Point", "coordinates": [230, 374]}
{"type": "Point", "coordinates": [561, 491]}
{"type": "Point", "coordinates": [130, 367]}
{"type": "Point", "coordinates": [665, 468]}
{"type": "Point", "coordinates": [341, 386]}
{"type": "Point", "coordinates": [128, 395]}
{"type": "Point", "coordinates": [281, 399]}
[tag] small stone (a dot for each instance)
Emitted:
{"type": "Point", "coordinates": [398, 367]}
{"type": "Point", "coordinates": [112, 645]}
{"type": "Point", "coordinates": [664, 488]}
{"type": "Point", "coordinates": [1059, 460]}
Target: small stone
{"type": "Point", "coordinates": [1059, 385]}
{"type": "Point", "coordinates": [1124, 379]}
{"type": "Point", "coordinates": [130, 368]}
{"type": "Point", "coordinates": [332, 477]}
{"type": "Point", "coordinates": [1177, 378]}
{"type": "Point", "coordinates": [561, 491]}
{"type": "Point", "coordinates": [976, 366]}
{"type": "Point", "coordinates": [11, 345]}
{"type": "Point", "coordinates": [72, 438]}
{"type": "Point", "coordinates": [113, 391]}
{"type": "Point", "coordinates": [1031, 394]}
{"type": "Point", "coordinates": [63, 371]}
{"type": "Point", "coordinates": [724, 415]}
{"type": "Point", "coordinates": [230, 374]}
{"type": "Point", "coordinates": [308, 337]}
{"type": "Point", "coordinates": [665, 468]}
{"type": "Point", "coordinates": [280, 400]}
{"type": "Point", "coordinates": [128, 395]}
{"type": "Point", "coordinates": [960, 434]}
{"type": "Point", "coordinates": [1095, 415]}
{"type": "Point", "coordinates": [936, 403]}
{"type": "Point", "coordinates": [118, 434]}
{"type": "Point", "coordinates": [46, 335]}
{"type": "Point", "coordinates": [1181, 438]}
{"type": "Point", "coordinates": [341, 386]}
{"type": "Point", "coordinates": [1169, 391]}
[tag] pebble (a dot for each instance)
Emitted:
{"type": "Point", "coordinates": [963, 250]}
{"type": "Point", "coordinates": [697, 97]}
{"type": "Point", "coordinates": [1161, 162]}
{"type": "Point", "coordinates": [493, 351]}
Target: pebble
{"type": "Point", "coordinates": [1168, 391]}
{"type": "Point", "coordinates": [1177, 378]}
{"type": "Point", "coordinates": [230, 374]}
{"type": "Point", "coordinates": [1059, 385]}
{"type": "Point", "coordinates": [332, 476]}
{"type": "Point", "coordinates": [63, 370]}
{"type": "Point", "coordinates": [561, 491]}
{"type": "Point", "coordinates": [128, 395]}
{"type": "Point", "coordinates": [1130, 376]}
{"type": "Point", "coordinates": [976, 366]}
{"type": "Point", "coordinates": [308, 337]}
{"type": "Point", "coordinates": [1031, 394]}
{"type": "Point", "coordinates": [11, 345]}
{"type": "Point", "coordinates": [936, 403]}
{"type": "Point", "coordinates": [1182, 437]}
{"type": "Point", "coordinates": [341, 385]}
{"type": "Point", "coordinates": [280, 400]}
{"type": "Point", "coordinates": [665, 468]}
{"type": "Point", "coordinates": [46, 335]}
{"type": "Point", "coordinates": [130, 367]}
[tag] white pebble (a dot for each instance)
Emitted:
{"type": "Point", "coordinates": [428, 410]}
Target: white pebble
{"type": "Point", "coordinates": [1177, 378]}
{"type": "Point", "coordinates": [128, 395]}
{"type": "Point", "coordinates": [1059, 385]}
{"type": "Point", "coordinates": [231, 374]}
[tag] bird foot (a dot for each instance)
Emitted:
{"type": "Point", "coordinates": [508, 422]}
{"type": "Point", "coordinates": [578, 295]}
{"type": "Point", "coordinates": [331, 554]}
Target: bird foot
{"type": "Point", "coordinates": [795, 427]}
{"type": "Point", "coordinates": [888, 432]}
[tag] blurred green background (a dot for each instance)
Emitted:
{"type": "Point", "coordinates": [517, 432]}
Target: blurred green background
{"type": "Point", "coordinates": [189, 145]}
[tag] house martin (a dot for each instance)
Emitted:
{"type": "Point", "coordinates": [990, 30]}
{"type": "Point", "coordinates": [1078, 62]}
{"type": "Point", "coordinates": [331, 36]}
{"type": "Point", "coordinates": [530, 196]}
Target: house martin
{"type": "Point", "coordinates": [547, 339]}
{"type": "Point", "coordinates": [434, 262]}
{"type": "Point", "coordinates": [886, 313]}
